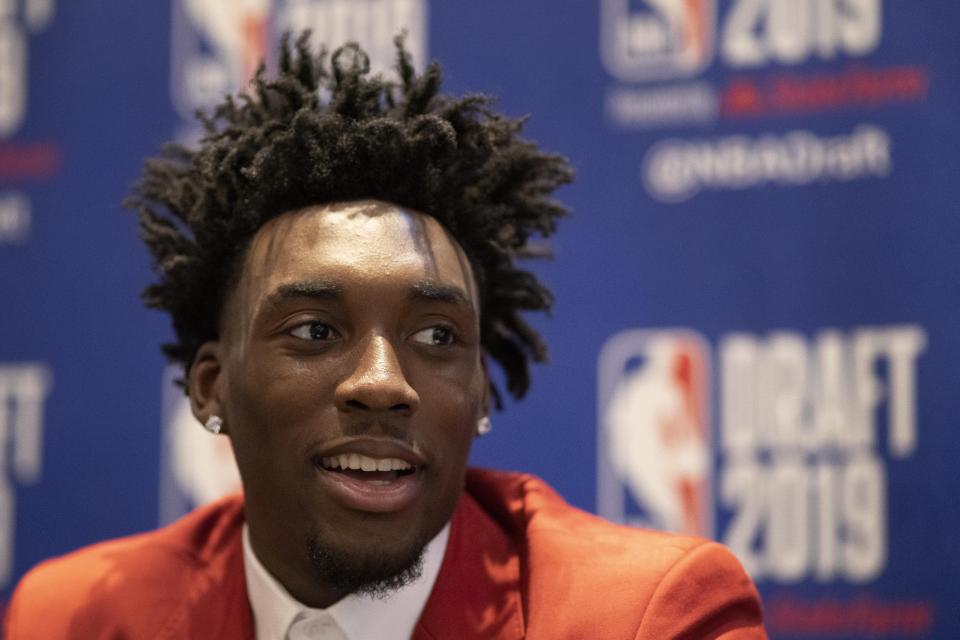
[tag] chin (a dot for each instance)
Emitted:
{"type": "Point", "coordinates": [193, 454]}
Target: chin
{"type": "Point", "coordinates": [372, 569]}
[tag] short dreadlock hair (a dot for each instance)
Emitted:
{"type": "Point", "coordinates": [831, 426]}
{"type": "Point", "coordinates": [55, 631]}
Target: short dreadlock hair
{"type": "Point", "coordinates": [326, 130]}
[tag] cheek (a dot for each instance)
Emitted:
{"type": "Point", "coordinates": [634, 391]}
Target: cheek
{"type": "Point", "coordinates": [451, 412]}
{"type": "Point", "coordinates": [277, 402]}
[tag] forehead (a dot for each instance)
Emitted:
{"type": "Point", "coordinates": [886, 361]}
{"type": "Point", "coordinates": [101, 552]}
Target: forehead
{"type": "Point", "coordinates": [365, 242]}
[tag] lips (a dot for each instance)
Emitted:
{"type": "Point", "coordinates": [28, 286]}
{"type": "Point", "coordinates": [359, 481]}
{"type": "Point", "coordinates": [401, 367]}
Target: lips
{"type": "Point", "coordinates": [371, 475]}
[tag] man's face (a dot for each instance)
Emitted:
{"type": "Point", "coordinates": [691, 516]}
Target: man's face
{"type": "Point", "coordinates": [350, 340]}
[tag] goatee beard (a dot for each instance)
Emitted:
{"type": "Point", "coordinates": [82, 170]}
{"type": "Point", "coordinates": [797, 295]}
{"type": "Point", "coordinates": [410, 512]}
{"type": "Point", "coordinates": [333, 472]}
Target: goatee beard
{"type": "Point", "coordinates": [375, 574]}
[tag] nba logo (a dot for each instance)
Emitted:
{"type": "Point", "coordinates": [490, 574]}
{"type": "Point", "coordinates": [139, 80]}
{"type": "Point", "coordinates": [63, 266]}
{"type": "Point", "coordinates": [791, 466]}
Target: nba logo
{"type": "Point", "coordinates": [653, 453]}
{"type": "Point", "coordinates": [216, 46]}
{"type": "Point", "coordinates": [644, 40]}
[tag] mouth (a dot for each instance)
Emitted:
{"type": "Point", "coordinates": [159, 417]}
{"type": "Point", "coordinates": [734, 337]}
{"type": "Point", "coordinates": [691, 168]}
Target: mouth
{"type": "Point", "coordinates": [371, 476]}
{"type": "Point", "coordinates": [367, 469]}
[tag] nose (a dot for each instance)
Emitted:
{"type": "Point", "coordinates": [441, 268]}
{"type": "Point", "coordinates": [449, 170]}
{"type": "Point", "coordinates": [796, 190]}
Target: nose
{"type": "Point", "coordinates": [377, 382]}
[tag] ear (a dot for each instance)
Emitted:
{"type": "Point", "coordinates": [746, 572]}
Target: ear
{"type": "Point", "coordinates": [487, 387]}
{"type": "Point", "coordinates": [205, 384]}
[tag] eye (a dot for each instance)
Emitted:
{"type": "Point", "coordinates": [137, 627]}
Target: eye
{"type": "Point", "coordinates": [438, 336]}
{"type": "Point", "coordinates": [315, 332]}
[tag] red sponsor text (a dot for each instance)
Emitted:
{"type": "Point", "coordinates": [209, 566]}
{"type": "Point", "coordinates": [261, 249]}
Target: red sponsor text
{"type": "Point", "coordinates": [864, 616]}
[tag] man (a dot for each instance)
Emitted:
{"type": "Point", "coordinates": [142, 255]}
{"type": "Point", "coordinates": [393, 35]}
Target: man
{"type": "Point", "coordinates": [338, 260]}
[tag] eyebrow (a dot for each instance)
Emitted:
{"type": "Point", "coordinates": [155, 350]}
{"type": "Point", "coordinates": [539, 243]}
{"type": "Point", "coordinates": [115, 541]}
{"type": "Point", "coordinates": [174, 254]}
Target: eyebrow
{"type": "Point", "coordinates": [436, 292]}
{"type": "Point", "coordinates": [332, 291]}
{"type": "Point", "coordinates": [316, 289]}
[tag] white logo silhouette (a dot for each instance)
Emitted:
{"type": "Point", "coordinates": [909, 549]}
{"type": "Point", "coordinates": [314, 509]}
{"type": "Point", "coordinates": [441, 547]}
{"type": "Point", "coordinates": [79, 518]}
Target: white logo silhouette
{"type": "Point", "coordinates": [202, 464]}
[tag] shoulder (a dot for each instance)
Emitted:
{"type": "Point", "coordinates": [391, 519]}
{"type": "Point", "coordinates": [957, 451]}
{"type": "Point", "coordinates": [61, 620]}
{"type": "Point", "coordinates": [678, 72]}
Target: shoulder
{"type": "Point", "coordinates": [97, 587]}
{"type": "Point", "coordinates": [530, 509]}
{"type": "Point", "coordinates": [630, 578]}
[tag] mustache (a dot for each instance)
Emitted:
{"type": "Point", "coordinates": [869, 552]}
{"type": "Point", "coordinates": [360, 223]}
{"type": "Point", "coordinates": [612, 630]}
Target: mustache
{"type": "Point", "coordinates": [397, 429]}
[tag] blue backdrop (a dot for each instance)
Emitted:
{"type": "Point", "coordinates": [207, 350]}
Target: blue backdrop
{"type": "Point", "coordinates": [757, 297]}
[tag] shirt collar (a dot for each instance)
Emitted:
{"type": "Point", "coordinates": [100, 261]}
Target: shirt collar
{"type": "Point", "coordinates": [358, 616]}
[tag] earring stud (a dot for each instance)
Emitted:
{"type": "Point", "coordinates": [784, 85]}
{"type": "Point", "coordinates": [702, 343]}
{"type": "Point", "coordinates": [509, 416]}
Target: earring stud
{"type": "Point", "coordinates": [213, 424]}
{"type": "Point", "coordinates": [484, 426]}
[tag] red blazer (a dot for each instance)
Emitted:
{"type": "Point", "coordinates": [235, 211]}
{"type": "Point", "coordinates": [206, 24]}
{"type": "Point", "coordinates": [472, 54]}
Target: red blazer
{"type": "Point", "coordinates": [520, 563]}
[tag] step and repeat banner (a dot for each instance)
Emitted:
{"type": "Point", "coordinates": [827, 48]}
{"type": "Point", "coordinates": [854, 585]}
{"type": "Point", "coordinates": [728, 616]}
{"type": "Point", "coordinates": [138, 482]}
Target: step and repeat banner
{"type": "Point", "coordinates": [757, 329]}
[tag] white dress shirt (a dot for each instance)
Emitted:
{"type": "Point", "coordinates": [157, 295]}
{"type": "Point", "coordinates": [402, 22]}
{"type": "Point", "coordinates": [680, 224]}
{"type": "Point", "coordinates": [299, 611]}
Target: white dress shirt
{"type": "Point", "coordinates": [278, 616]}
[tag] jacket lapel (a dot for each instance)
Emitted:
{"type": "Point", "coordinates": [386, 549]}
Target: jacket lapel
{"type": "Point", "coordinates": [224, 606]}
{"type": "Point", "coordinates": [216, 604]}
{"type": "Point", "coordinates": [477, 593]}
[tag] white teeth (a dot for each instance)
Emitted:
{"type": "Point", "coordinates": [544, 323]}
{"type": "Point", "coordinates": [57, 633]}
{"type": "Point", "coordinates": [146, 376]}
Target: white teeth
{"type": "Point", "coordinates": [358, 462]}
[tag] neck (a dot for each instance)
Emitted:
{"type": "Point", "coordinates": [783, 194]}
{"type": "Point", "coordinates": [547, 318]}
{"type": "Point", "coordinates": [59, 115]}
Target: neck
{"type": "Point", "coordinates": [297, 579]}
